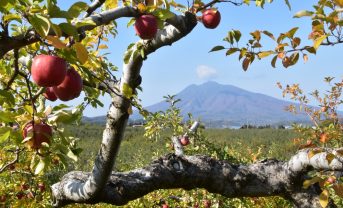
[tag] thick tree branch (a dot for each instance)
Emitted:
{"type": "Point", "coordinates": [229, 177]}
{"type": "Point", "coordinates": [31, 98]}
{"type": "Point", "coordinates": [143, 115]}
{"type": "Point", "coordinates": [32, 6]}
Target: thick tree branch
{"type": "Point", "coordinates": [92, 187]}
{"type": "Point", "coordinates": [8, 43]}
{"type": "Point", "coordinates": [94, 6]}
{"type": "Point", "coordinates": [265, 178]}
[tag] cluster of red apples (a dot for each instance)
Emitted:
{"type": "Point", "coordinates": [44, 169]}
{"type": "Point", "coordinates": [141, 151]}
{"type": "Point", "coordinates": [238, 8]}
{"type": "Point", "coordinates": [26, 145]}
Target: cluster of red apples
{"type": "Point", "coordinates": [61, 81]}
{"type": "Point", "coordinates": [146, 25]}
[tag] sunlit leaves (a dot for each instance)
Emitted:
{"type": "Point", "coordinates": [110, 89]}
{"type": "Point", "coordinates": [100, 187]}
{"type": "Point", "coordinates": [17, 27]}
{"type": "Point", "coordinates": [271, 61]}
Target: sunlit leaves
{"type": "Point", "coordinates": [264, 54]}
{"type": "Point", "coordinates": [318, 41]}
{"type": "Point", "coordinates": [75, 10]}
{"type": "Point", "coordinates": [303, 13]}
{"type": "Point", "coordinates": [56, 42]}
{"type": "Point", "coordinates": [324, 198]}
{"type": "Point", "coordinates": [40, 23]}
{"type": "Point", "coordinates": [81, 52]}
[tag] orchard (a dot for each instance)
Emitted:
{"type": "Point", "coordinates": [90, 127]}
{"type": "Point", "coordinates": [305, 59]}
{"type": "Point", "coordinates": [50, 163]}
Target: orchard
{"type": "Point", "coordinates": [50, 56]}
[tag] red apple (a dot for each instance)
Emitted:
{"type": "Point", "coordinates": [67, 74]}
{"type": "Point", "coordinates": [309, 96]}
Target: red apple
{"type": "Point", "coordinates": [24, 186]}
{"type": "Point", "coordinates": [331, 180]}
{"type": "Point", "coordinates": [165, 206]}
{"type": "Point", "coordinates": [71, 86]}
{"type": "Point", "coordinates": [41, 187]}
{"type": "Point", "coordinates": [211, 18]}
{"type": "Point", "coordinates": [20, 195]}
{"type": "Point", "coordinates": [3, 198]}
{"type": "Point", "coordinates": [49, 94]}
{"type": "Point", "coordinates": [184, 140]}
{"type": "Point", "coordinates": [40, 132]}
{"type": "Point", "coordinates": [146, 26]}
{"type": "Point", "coordinates": [48, 71]}
{"type": "Point", "coordinates": [207, 203]}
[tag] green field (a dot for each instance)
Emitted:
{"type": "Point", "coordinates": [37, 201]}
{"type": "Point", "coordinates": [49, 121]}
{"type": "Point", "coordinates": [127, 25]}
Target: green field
{"type": "Point", "coordinates": [137, 151]}
{"type": "Point", "coordinates": [237, 146]}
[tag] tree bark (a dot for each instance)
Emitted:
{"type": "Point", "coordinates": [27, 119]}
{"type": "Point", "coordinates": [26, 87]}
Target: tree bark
{"type": "Point", "coordinates": [264, 178]}
{"type": "Point", "coordinates": [91, 189]}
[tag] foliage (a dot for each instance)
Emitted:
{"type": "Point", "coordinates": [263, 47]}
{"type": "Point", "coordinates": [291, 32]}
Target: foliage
{"type": "Point", "coordinates": [33, 27]}
{"type": "Point", "coordinates": [326, 132]}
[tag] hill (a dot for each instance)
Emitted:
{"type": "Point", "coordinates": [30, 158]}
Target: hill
{"type": "Point", "coordinates": [225, 105]}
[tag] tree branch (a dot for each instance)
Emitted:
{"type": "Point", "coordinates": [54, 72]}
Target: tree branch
{"type": "Point", "coordinates": [92, 187]}
{"type": "Point", "coordinates": [94, 6]}
{"type": "Point", "coordinates": [264, 178]}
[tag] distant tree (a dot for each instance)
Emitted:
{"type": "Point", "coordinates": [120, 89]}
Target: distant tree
{"type": "Point", "coordinates": [47, 53]}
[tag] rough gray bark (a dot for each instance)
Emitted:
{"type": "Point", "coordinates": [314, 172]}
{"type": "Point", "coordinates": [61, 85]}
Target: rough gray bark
{"type": "Point", "coordinates": [264, 178]}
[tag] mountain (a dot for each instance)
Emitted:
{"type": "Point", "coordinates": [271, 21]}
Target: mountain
{"type": "Point", "coordinates": [218, 105]}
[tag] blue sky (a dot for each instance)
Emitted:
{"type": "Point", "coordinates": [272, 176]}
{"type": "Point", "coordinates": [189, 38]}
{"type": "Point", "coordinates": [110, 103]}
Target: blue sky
{"type": "Point", "coordinates": [172, 68]}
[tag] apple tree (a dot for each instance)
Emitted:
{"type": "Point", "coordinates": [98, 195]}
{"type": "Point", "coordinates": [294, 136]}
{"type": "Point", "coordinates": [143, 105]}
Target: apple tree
{"type": "Point", "coordinates": [48, 53]}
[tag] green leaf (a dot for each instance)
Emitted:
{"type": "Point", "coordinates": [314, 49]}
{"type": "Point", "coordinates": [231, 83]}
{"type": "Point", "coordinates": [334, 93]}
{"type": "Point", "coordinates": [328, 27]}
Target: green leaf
{"type": "Point", "coordinates": [265, 54]}
{"type": "Point", "coordinates": [28, 108]}
{"type": "Point", "coordinates": [131, 22]}
{"type": "Point", "coordinates": [291, 32]}
{"type": "Point", "coordinates": [127, 90]}
{"type": "Point", "coordinates": [318, 41]}
{"type": "Point", "coordinates": [217, 48]}
{"type": "Point", "coordinates": [10, 17]}
{"type": "Point", "coordinates": [237, 35]}
{"type": "Point", "coordinates": [56, 12]}
{"type": "Point", "coordinates": [8, 97]}
{"type": "Point", "coordinates": [6, 116]}
{"type": "Point", "coordinates": [57, 30]}
{"type": "Point", "coordinates": [86, 22]}
{"type": "Point", "coordinates": [5, 136]}
{"type": "Point", "coordinates": [72, 156]}
{"type": "Point", "coordinates": [310, 49]}
{"type": "Point", "coordinates": [303, 13]}
{"type": "Point", "coordinates": [76, 9]}
{"type": "Point", "coordinates": [40, 24]}
{"type": "Point", "coordinates": [163, 14]}
{"type": "Point", "coordinates": [231, 51]}
{"type": "Point", "coordinates": [40, 167]}
{"type": "Point", "coordinates": [288, 4]}
{"type": "Point", "coordinates": [69, 30]}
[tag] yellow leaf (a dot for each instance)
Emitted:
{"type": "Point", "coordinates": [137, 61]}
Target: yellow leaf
{"type": "Point", "coordinates": [339, 2]}
{"type": "Point", "coordinates": [313, 153]}
{"type": "Point", "coordinates": [56, 42]}
{"type": "Point", "coordinates": [330, 157]}
{"type": "Point", "coordinates": [102, 46]}
{"type": "Point", "coordinates": [81, 52]}
{"type": "Point", "coordinates": [318, 41]}
{"type": "Point", "coordinates": [308, 183]}
{"type": "Point", "coordinates": [324, 198]}
{"type": "Point", "coordinates": [111, 4]}
{"type": "Point", "coordinates": [265, 54]}
{"type": "Point", "coordinates": [141, 8]}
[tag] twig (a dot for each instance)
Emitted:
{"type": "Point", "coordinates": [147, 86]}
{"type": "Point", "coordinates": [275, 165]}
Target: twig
{"type": "Point", "coordinates": [94, 6]}
{"type": "Point", "coordinates": [16, 69]}
{"type": "Point", "coordinates": [211, 3]}
{"type": "Point", "coordinates": [16, 151]}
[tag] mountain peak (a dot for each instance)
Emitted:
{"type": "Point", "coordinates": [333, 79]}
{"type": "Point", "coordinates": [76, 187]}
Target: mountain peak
{"type": "Point", "coordinates": [214, 102]}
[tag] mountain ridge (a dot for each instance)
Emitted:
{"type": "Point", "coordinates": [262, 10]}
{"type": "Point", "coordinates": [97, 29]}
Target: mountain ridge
{"type": "Point", "coordinates": [219, 105]}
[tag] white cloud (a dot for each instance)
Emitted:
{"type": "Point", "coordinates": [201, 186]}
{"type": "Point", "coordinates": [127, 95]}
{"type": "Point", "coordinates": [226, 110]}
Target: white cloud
{"type": "Point", "coordinates": [206, 72]}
